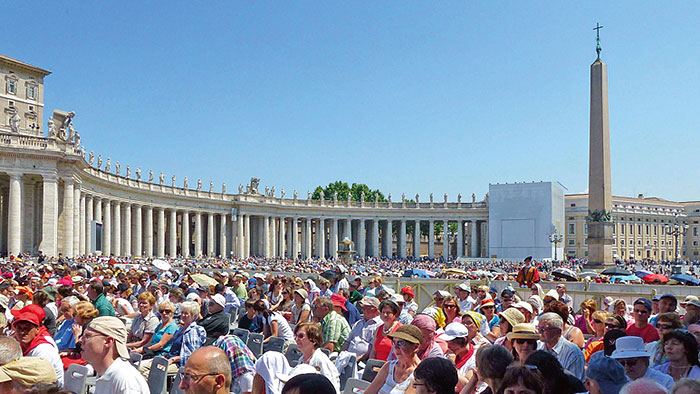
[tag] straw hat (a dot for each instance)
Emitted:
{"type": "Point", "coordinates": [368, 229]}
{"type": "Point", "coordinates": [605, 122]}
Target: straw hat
{"type": "Point", "coordinates": [523, 331]}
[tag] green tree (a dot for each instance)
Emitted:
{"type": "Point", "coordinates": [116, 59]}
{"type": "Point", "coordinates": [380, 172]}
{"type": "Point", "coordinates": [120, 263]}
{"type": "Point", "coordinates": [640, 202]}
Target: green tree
{"type": "Point", "coordinates": [342, 188]}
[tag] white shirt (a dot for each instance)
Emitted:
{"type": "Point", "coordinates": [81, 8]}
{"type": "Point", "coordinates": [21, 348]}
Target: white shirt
{"type": "Point", "coordinates": [325, 367]}
{"type": "Point", "coordinates": [659, 377]}
{"type": "Point", "coordinates": [49, 352]}
{"type": "Point", "coordinates": [283, 328]}
{"type": "Point", "coordinates": [121, 378]}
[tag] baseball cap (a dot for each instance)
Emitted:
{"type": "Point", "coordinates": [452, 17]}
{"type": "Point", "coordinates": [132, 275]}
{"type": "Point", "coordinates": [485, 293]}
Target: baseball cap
{"type": "Point", "coordinates": [463, 286]}
{"type": "Point", "coordinates": [193, 297]}
{"type": "Point", "coordinates": [643, 301]}
{"type": "Point", "coordinates": [688, 298]}
{"type": "Point", "coordinates": [608, 373]}
{"type": "Point", "coordinates": [442, 293]}
{"type": "Point", "coordinates": [370, 301]}
{"type": "Point", "coordinates": [113, 328]}
{"type": "Point", "coordinates": [454, 330]}
{"type": "Point", "coordinates": [524, 305]}
{"type": "Point", "coordinates": [339, 301]}
{"type": "Point", "coordinates": [408, 333]}
{"type": "Point", "coordinates": [28, 371]}
{"type": "Point", "coordinates": [219, 299]}
{"type": "Point", "coordinates": [671, 296]}
{"type": "Point", "coordinates": [32, 313]}
{"type": "Point", "coordinates": [695, 303]}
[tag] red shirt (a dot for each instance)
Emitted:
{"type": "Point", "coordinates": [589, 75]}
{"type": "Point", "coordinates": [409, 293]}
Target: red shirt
{"type": "Point", "coordinates": [648, 333]}
{"type": "Point", "coordinates": [383, 344]}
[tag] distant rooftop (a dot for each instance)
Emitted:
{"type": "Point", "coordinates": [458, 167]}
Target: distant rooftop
{"type": "Point", "coordinates": [27, 66]}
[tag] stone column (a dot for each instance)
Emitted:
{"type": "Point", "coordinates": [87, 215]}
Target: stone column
{"type": "Point", "coordinates": [240, 249]}
{"type": "Point", "coordinates": [246, 243]}
{"type": "Point", "coordinates": [273, 237]}
{"type": "Point", "coordinates": [138, 231]}
{"type": "Point", "coordinates": [198, 234]}
{"type": "Point", "coordinates": [416, 239]}
{"type": "Point", "coordinates": [321, 237]}
{"type": "Point", "coordinates": [68, 214]}
{"type": "Point", "coordinates": [210, 235]}
{"type": "Point", "coordinates": [431, 239]}
{"type": "Point", "coordinates": [160, 234]}
{"type": "Point", "coordinates": [148, 231]}
{"type": "Point", "coordinates": [361, 239]}
{"type": "Point", "coordinates": [89, 208]}
{"type": "Point", "coordinates": [126, 242]}
{"type": "Point", "coordinates": [474, 239]}
{"type": "Point", "coordinates": [295, 237]}
{"type": "Point", "coordinates": [107, 228]}
{"type": "Point", "coordinates": [266, 236]}
{"type": "Point", "coordinates": [445, 239]}
{"type": "Point", "coordinates": [49, 217]}
{"type": "Point", "coordinates": [185, 236]}
{"type": "Point", "coordinates": [223, 251]}
{"type": "Point", "coordinates": [387, 239]}
{"type": "Point", "coordinates": [81, 225]}
{"type": "Point", "coordinates": [460, 238]}
{"type": "Point", "coordinates": [402, 239]}
{"type": "Point", "coordinates": [117, 229]}
{"type": "Point", "coordinates": [98, 218]}
{"type": "Point", "coordinates": [76, 220]}
{"type": "Point", "coordinates": [307, 235]}
{"type": "Point", "coordinates": [375, 237]}
{"type": "Point", "coordinates": [172, 234]}
{"type": "Point", "coordinates": [282, 238]}
{"type": "Point", "coordinates": [334, 238]}
{"type": "Point", "coordinates": [348, 229]}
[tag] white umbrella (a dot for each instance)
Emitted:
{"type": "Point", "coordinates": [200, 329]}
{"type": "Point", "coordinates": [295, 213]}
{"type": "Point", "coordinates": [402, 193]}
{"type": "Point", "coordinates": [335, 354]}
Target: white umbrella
{"type": "Point", "coordinates": [162, 265]}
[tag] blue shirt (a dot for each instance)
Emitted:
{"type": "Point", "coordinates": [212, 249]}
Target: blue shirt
{"type": "Point", "coordinates": [353, 315]}
{"type": "Point", "coordinates": [569, 355]}
{"type": "Point", "coordinates": [171, 328]}
{"type": "Point", "coordinates": [186, 341]}
{"type": "Point", "coordinates": [64, 337]}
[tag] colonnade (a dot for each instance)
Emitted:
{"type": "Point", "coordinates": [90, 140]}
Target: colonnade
{"type": "Point", "coordinates": [274, 236]}
{"type": "Point", "coordinates": [55, 214]}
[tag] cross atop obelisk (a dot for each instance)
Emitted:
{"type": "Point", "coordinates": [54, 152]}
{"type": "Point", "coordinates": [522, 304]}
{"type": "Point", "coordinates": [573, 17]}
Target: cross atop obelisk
{"type": "Point", "coordinates": [599, 183]}
{"type": "Point", "coordinates": [597, 39]}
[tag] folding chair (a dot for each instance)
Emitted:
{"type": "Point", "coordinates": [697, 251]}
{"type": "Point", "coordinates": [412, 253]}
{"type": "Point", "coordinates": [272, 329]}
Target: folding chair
{"type": "Point", "coordinates": [135, 359]}
{"type": "Point", "coordinates": [348, 372]}
{"type": "Point", "coordinates": [355, 386]}
{"type": "Point", "coordinates": [275, 344]}
{"type": "Point", "coordinates": [75, 379]}
{"type": "Point", "coordinates": [371, 369]}
{"type": "Point", "coordinates": [241, 333]}
{"type": "Point", "coordinates": [158, 377]}
{"type": "Point", "coordinates": [328, 352]}
{"type": "Point", "coordinates": [292, 354]}
{"type": "Point", "coordinates": [255, 344]}
{"type": "Point", "coordinates": [176, 383]}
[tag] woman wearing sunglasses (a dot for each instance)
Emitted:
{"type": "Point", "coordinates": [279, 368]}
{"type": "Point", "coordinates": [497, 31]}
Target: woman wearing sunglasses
{"type": "Point", "coordinates": [395, 376]}
{"type": "Point", "coordinates": [612, 322]}
{"type": "Point", "coordinates": [665, 323]}
{"type": "Point", "coordinates": [524, 338]}
{"type": "Point", "coordinates": [598, 319]}
{"type": "Point", "coordinates": [450, 307]}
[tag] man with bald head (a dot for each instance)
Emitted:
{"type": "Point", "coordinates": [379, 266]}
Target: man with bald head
{"type": "Point", "coordinates": [208, 370]}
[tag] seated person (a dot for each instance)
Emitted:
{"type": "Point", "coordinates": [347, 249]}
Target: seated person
{"type": "Point", "coordinates": [250, 320]}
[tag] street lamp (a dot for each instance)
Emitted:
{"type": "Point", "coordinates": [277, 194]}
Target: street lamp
{"type": "Point", "coordinates": [555, 239]}
{"type": "Point", "coordinates": [676, 230]}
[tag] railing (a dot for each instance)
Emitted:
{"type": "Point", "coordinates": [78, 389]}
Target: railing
{"type": "Point", "coordinates": [359, 204]}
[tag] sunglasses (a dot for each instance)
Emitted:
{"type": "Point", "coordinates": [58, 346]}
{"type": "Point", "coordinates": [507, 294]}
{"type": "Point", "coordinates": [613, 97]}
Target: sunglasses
{"type": "Point", "coordinates": [438, 299]}
{"type": "Point", "coordinates": [631, 362]}
{"type": "Point", "coordinates": [487, 307]}
{"type": "Point", "coordinates": [597, 321]}
{"type": "Point", "coordinates": [449, 306]}
{"type": "Point", "coordinates": [523, 341]}
{"type": "Point", "coordinates": [664, 326]}
{"type": "Point", "coordinates": [401, 343]}
{"type": "Point", "coordinates": [609, 325]}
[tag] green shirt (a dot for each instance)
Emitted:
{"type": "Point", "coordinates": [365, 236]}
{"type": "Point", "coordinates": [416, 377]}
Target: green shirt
{"type": "Point", "coordinates": [103, 306]}
{"type": "Point", "coordinates": [241, 291]}
{"type": "Point", "coordinates": [335, 329]}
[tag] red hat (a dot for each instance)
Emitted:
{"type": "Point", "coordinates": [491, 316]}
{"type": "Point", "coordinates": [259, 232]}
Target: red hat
{"type": "Point", "coordinates": [339, 301]}
{"type": "Point", "coordinates": [66, 281]}
{"type": "Point", "coordinates": [407, 290]}
{"type": "Point", "coordinates": [32, 313]}
{"type": "Point", "coordinates": [487, 302]}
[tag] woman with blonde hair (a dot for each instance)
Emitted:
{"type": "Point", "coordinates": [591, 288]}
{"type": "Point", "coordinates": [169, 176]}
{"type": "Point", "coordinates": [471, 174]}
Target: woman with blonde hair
{"type": "Point", "coordinates": [584, 321]}
{"type": "Point", "coordinates": [451, 309]}
{"type": "Point", "coordinates": [145, 322]}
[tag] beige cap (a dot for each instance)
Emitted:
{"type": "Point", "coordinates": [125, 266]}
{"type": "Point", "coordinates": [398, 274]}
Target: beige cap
{"type": "Point", "coordinates": [28, 371]}
{"type": "Point", "coordinates": [113, 328]}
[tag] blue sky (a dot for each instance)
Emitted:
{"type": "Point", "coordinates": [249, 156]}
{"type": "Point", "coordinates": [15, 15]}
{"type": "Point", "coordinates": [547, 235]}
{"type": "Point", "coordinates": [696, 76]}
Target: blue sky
{"type": "Point", "coordinates": [414, 97]}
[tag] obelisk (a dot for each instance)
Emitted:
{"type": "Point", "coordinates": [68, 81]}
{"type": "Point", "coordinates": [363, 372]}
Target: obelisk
{"type": "Point", "coordinates": [599, 190]}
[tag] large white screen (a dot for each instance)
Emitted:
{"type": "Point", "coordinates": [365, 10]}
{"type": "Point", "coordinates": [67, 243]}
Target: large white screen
{"type": "Point", "coordinates": [518, 233]}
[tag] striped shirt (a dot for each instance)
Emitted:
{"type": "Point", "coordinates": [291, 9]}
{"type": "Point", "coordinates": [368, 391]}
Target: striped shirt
{"type": "Point", "coordinates": [335, 329]}
{"type": "Point", "coordinates": [242, 359]}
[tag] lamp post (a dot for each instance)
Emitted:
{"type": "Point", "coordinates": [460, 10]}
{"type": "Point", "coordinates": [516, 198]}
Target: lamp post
{"type": "Point", "coordinates": [676, 230]}
{"type": "Point", "coordinates": [556, 239]}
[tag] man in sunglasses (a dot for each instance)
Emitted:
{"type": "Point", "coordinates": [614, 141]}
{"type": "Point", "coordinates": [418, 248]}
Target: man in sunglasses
{"type": "Point", "coordinates": [641, 327]}
{"type": "Point", "coordinates": [630, 352]}
{"type": "Point", "coordinates": [104, 346]}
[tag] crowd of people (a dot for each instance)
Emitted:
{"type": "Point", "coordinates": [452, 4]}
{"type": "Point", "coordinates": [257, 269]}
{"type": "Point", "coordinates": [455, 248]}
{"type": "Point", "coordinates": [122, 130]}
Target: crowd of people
{"type": "Point", "coordinates": [476, 339]}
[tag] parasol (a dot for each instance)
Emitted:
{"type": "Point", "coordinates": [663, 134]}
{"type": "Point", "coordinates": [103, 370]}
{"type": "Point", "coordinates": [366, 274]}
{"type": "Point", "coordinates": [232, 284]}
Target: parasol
{"type": "Point", "coordinates": [162, 265]}
{"type": "Point", "coordinates": [204, 280]}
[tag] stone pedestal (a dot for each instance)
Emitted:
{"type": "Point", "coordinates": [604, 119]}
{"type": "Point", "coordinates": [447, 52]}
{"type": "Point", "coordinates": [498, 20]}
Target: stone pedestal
{"type": "Point", "coordinates": [600, 241]}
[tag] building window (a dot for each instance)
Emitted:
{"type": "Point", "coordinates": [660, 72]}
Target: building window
{"type": "Point", "coordinates": [622, 229]}
{"type": "Point", "coordinates": [622, 242]}
{"type": "Point", "coordinates": [614, 241]}
{"type": "Point", "coordinates": [585, 241]}
{"type": "Point", "coordinates": [631, 228]}
{"type": "Point", "coordinates": [647, 229]}
{"type": "Point", "coordinates": [572, 242]}
{"type": "Point", "coordinates": [639, 242]}
{"type": "Point", "coordinates": [655, 229]}
{"type": "Point", "coordinates": [614, 229]}
{"type": "Point", "coordinates": [585, 229]}
{"type": "Point", "coordinates": [572, 228]}
{"type": "Point", "coordinates": [31, 91]}
{"type": "Point", "coordinates": [639, 229]}
{"type": "Point", "coordinates": [11, 86]}
{"type": "Point", "coordinates": [695, 231]}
